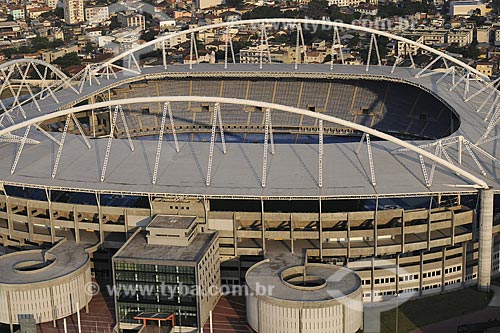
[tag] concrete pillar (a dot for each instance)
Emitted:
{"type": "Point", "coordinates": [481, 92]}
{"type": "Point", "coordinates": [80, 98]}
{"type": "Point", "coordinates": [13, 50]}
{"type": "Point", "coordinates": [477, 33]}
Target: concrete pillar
{"type": "Point", "coordinates": [320, 225]}
{"type": "Point", "coordinates": [443, 267]}
{"type": "Point", "coordinates": [485, 239]}
{"type": "Point", "coordinates": [235, 235]}
{"type": "Point", "coordinates": [348, 238]}
{"type": "Point", "coordinates": [402, 231]}
{"type": "Point", "coordinates": [263, 224]}
{"type": "Point", "coordinates": [421, 274]}
{"type": "Point", "coordinates": [375, 232]}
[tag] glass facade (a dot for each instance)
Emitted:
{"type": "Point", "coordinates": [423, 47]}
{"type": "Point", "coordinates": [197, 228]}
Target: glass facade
{"type": "Point", "coordinates": [156, 288]}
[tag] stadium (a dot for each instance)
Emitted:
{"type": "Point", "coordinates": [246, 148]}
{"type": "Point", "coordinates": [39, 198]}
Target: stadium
{"type": "Point", "coordinates": [228, 172]}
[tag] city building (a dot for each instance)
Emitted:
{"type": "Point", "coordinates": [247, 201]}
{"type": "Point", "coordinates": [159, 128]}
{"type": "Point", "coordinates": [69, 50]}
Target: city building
{"type": "Point", "coordinates": [51, 55]}
{"type": "Point", "coordinates": [461, 38]}
{"type": "Point", "coordinates": [131, 19]}
{"type": "Point", "coordinates": [53, 3]}
{"type": "Point", "coordinates": [96, 14]}
{"type": "Point", "coordinates": [17, 12]}
{"type": "Point", "coordinates": [73, 11]}
{"type": "Point", "coordinates": [203, 4]}
{"type": "Point", "coordinates": [467, 8]}
{"type": "Point", "coordinates": [10, 29]}
{"type": "Point", "coordinates": [180, 265]}
{"type": "Point", "coordinates": [483, 34]}
{"type": "Point", "coordinates": [488, 68]}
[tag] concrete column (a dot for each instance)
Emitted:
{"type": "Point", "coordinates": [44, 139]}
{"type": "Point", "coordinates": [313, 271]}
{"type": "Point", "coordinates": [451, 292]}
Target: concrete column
{"type": "Point", "coordinates": [443, 267]}
{"type": "Point", "coordinates": [485, 239]}
{"type": "Point", "coordinates": [402, 231]}
{"type": "Point", "coordinates": [452, 228]}
{"type": "Point", "coordinates": [397, 273]}
{"type": "Point", "coordinates": [99, 214]}
{"type": "Point", "coordinates": [375, 233]}
{"type": "Point", "coordinates": [348, 238]}
{"type": "Point", "coordinates": [30, 222]}
{"type": "Point", "coordinates": [75, 222]}
{"type": "Point", "coordinates": [429, 217]}
{"type": "Point", "coordinates": [235, 235]}
{"type": "Point", "coordinates": [464, 262]}
{"type": "Point", "coordinates": [9, 217]}
{"type": "Point", "coordinates": [372, 285]}
{"type": "Point", "coordinates": [263, 226]}
{"type": "Point", "coordinates": [421, 274]}
{"type": "Point", "coordinates": [320, 222]}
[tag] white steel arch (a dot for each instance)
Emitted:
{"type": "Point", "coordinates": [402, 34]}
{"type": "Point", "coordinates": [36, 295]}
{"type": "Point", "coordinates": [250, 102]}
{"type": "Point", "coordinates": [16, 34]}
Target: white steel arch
{"type": "Point", "coordinates": [53, 68]}
{"type": "Point", "coordinates": [264, 105]}
{"type": "Point", "coordinates": [259, 23]}
{"type": "Point", "coordinates": [19, 75]}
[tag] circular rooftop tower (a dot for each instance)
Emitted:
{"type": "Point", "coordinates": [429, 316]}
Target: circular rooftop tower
{"type": "Point", "coordinates": [303, 298]}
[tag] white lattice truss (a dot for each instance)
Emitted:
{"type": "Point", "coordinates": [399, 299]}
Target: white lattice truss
{"type": "Point", "coordinates": [218, 102]}
{"type": "Point", "coordinates": [127, 64]}
{"type": "Point", "coordinates": [17, 76]}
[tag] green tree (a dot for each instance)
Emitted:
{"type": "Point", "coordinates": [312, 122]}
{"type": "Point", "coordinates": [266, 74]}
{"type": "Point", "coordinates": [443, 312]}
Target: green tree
{"type": "Point", "coordinates": [9, 52]}
{"type": "Point", "coordinates": [67, 60]}
{"type": "Point", "coordinates": [59, 11]}
{"type": "Point", "coordinates": [317, 9]}
{"type": "Point", "coordinates": [238, 4]}
{"type": "Point", "coordinates": [262, 12]}
{"type": "Point", "coordinates": [39, 43]}
{"type": "Point", "coordinates": [149, 35]}
{"type": "Point", "coordinates": [114, 23]}
{"type": "Point", "coordinates": [89, 48]}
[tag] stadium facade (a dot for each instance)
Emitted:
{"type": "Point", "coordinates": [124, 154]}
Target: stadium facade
{"type": "Point", "coordinates": [387, 171]}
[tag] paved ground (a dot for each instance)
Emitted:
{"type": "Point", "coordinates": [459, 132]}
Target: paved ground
{"type": "Point", "coordinates": [229, 316]}
{"type": "Point", "coordinates": [495, 300]}
{"type": "Point", "coordinates": [491, 312]}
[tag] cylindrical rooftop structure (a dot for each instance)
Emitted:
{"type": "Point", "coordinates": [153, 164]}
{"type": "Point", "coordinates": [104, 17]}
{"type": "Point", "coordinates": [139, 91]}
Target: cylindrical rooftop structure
{"type": "Point", "coordinates": [315, 298]}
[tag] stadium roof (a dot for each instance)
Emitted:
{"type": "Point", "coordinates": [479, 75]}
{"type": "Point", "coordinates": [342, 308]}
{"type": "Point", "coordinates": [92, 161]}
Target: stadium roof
{"type": "Point", "coordinates": [292, 171]}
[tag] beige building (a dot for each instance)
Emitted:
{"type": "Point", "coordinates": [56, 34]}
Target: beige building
{"type": "Point", "coordinates": [52, 3]}
{"type": "Point", "coordinates": [202, 4]}
{"type": "Point", "coordinates": [461, 38]}
{"type": "Point", "coordinates": [52, 55]}
{"type": "Point", "coordinates": [96, 14]}
{"type": "Point", "coordinates": [483, 34]}
{"type": "Point", "coordinates": [73, 11]}
{"type": "Point", "coordinates": [171, 252]}
{"type": "Point", "coordinates": [47, 285]}
{"type": "Point", "coordinates": [467, 8]}
{"type": "Point", "coordinates": [131, 19]}
{"type": "Point", "coordinates": [303, 298]}
{"type": "Point", "coordinates": [488, 68]}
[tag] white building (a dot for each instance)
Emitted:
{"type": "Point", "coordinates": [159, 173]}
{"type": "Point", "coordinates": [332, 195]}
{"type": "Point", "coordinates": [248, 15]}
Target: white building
{"type": "Point", "coordinates": [172, 42]}
{"type": "Point", "coordinates": [52, 3]}
{"type": "Point", "coordinates": [202, 4]}
{"type": "Point", "coordinates": [167, 24]}
{"type": "Point", "coordinates": [73, 11]}
{"type": "Point", "coordinates": [483, 34]}
{"type": "Point", "coordinates": [460, 37]}
{"type": "Point", "coordinates": [466, 8]}
{"type": "Point", "coordinates": [96, 14]}
{"type": "Point", "coordinates": [351, 3]}
{"type": "Point", "coordinates": [131, 19]}
{"type": "Point", "coordinates": [344, 3]}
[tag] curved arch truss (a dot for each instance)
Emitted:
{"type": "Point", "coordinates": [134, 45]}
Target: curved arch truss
{"type": "Point", "coordinates": [218, 126]}
{"type": "Point", "coordinates": [56, 95]}
{"type": "Point", "coordinates": [445, 70]}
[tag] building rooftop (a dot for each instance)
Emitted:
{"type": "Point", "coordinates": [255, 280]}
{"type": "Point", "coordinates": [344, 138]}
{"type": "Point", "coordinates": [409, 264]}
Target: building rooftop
{"type": "Point", "coordinates": [138, 249]}
{"type": "Point", "coordinates": [172, 222]}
